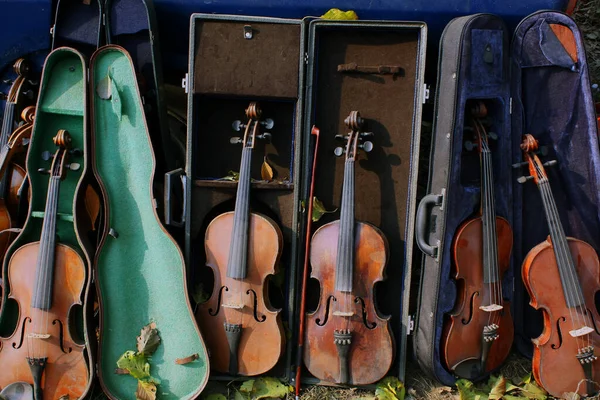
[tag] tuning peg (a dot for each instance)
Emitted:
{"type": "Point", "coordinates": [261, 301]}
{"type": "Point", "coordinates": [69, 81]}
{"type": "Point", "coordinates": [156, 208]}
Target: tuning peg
{"type": "Point", "coordinates": [340, 137]}
{"type": "Point", "coordinates": [28, 94]}
{"type": "Point", "coordinates": [470, 145]}
{"type": "Point", "coordinates": [550, 163]}
{"type": "Point", "coordinates": [7, 82]}
{"type": "Point", "coordinates": [366, 146]}
{"type": "Point", "coordinates": [43, 171]}
{"type": "Point", "coordinates": [235, 140]}
{"type": "Point", "coordinates": [268, 123]}
{"type": "Point", "coordinates": [366, 135]}
{"type": "Point", "coordinates": [493, 135]}
{"type": "Point", "coordinates": [237, 125]}
{"type": "Point", "coordinates": [46, 155]}
{"type": "Point", "coordinates": [25, 141]}
{"type": "Point", "coordinates": [265, 136]}
{"type": "Point", "coordinates": [338, 151]}
{"type": "Point", "coordinates": [76, 152]}
{"type": "Point", "coordinates": [74, 166]}
{"type": "Point", "coordinates": [524, 179]}
{"type": "Point", "coordinates": [520, 164]}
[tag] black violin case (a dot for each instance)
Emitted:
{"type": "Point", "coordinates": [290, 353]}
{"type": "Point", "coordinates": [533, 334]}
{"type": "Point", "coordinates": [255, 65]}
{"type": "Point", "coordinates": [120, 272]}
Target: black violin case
{"type": "Point", "coordinates": [530, 86]}
{"type": "Point", "coordinates": [238, 59]}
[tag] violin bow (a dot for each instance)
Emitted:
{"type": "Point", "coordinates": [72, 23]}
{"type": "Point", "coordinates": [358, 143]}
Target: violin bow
{"type": "Point", "coordinates": [315, 132]}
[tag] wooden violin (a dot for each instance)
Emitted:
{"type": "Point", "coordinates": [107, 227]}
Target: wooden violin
{"type": "Point", "coordinates": [479, 332]}
{"type": "Point", "coordinates": [46, 280]}
{"type": "Point", "coordinates": [242, 331]}
{"type": "Point", "coordinates": [348, 341]}
{"type": "Point", "coordinates": [562, 276]}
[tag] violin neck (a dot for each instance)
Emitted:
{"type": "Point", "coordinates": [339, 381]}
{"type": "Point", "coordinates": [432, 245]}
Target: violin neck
{"type": "Point", "coordinates": [345, 250]}
{"type": "Point", "coordinates": [42, 296]}
{"type": "Point", "coordinates": [560, 245]}
{"type": "Point", "coordinates": [238, 248]}
{"type": "Point", "coordinates": [7, 124]}
{"type": "Point", "coordinates": [488, 218]}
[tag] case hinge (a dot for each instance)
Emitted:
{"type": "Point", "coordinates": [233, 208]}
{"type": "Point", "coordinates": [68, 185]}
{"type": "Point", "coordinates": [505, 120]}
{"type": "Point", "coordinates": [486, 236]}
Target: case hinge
{"type": "Point", "coordinates": [104, 19]}
{"type": "Point", "coordinates": [425, 92]}
{"type": "Point", "coordinates": [184, 82]}
{"type": "Point", "coordinates": [52, 30]}
{"type": "Point", "coordinates": [411, 325]}
{"type": "Point", "coordinates": [510, 106]}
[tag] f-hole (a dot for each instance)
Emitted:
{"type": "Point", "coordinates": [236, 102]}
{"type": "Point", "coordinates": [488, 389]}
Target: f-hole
{"type": "Point", "coordinates": [61, 336]}
{"type": "Point", "coordinates": [369, 325]}
{"type": "Point", "coordinates": [18, 346]}
{"type": "Point", "coordinates": [210, 310]}
{"type": "Point", "coordinates": [255, 307]}
{"type": "Point", "coordinates": [593, 320]}
{"type": "Point", "coordinates": [328, 306]}
{"type": "Point", "coordinates": [471, 306]}
{"type": "Point", "coordinates": [558, 321]}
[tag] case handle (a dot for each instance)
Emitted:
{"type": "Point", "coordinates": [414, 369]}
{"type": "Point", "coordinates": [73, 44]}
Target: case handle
{"type": "Point", "coordinates": [422, 214]}
{"type": "Point", "coordinates": [170, 179]}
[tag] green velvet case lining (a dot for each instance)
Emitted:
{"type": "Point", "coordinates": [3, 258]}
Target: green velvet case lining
{"type": "Point", "coordinates": [61, 105]}
{"type": "Point", "coordinates": [140, 274]}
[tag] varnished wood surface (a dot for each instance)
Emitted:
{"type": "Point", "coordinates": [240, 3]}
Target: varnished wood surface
{"type": "Point", "coordinates": [372, 350]}
{"type": "Point", "coordinates": [261, 343]}
{"type": "Point", "coordinates": [554, 364]}
{"type": "Point", "coordinates": [66, 374]}
{"type": "Point", "coordinates": [463, 341]}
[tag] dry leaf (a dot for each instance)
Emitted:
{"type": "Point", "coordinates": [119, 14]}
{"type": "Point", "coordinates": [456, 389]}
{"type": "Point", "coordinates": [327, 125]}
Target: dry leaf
{"type": "Point", "coordinates": [266, 172]}
{"type": "Point", "coordinates": [148, 340]}
{"type": "Point", "coordinates": [121, 371]}
{"type": "Point", "coordinates": [92, 205]}
{"type": "Point", "coordinates": [319, 210]}
{"type": "Point", "coordinates": [145, 391]}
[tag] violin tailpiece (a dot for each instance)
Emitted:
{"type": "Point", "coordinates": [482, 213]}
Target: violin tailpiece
{"type": "Point", "coordinates": [233, 332]}
{"type": "Point", "coordinates": [343, 341]}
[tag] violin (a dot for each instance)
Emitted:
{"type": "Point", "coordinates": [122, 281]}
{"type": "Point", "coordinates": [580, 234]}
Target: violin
{"type": "Point", "coordinates": [242, 330]}
{"type": "Point", "coordinates": [479, 332]}
{"type": "Point", "coordinates": [46, 280]}
{"type": "Point", "coordinates": [562, 276]}
{"type": "Point", "coordinates": [349, 342]}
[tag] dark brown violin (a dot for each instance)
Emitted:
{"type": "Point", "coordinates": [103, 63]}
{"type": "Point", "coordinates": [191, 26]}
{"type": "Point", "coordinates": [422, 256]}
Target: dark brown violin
{"type": "Point", "coordinates": [243, 333]}
{"type": "Point", "coordinates": [479, 332]}
{"type": "Point", "coordinates": [562, 277]}
{"type": "Point", "coordinates": [348, 341]}
{"type": "Point", "coordinates": [46, 280]}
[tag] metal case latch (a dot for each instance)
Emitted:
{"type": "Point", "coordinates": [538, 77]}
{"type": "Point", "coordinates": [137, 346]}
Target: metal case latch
{"type": "Point", "coordinates": [248, 32]}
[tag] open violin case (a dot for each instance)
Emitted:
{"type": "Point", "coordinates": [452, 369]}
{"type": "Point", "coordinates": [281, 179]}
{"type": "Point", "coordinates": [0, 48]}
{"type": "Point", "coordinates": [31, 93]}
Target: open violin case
{"type": "Point", "coordinates": [238, 59]}
{"type": "Point", "coordinates": [139, 269]}
{"type": "Point", "coordinates": [537, 85]}
{"type": "Point", "coordinates": [61, 105]}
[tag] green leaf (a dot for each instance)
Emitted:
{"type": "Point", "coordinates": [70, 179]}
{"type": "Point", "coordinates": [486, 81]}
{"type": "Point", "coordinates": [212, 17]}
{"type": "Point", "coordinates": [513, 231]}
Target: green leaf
{"type": "Point", "coordinates": [336, 13]}
{"type": "Point", "coordinates": [135, 363]}
{"type": "Point", "coordinates": [319, 209]}
{"type": "Point", "coordinates": [390, 388]}
{"type": "Point", "coordinates": [237, 395]}
{"type": "Point", "coordinates": [215, 396]}
{"type": "Point", "coordinates": [498, 387]}
{"type": "Point", "coordinates": [267, 387]}
{"type": "Point", "coordinates": [231, 176]}
{"type": "Point", "coordinates": [511, 397]}
{"type": "Point", "coordinates": [533, 391]}
{"type": "Point", "coordinates": [148, 341]}
{"type": "Point", "coordinates": [468, 391]}
{"type": "Point", "coordinates": [247, 386]}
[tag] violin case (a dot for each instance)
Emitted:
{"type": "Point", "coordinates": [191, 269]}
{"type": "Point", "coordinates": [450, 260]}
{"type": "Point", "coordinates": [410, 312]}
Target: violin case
{"type": "Point", "coordinates": [227, 70]}
{"type": "Point", "coordinates": [531, 86]}
{"type": "Point", "coordinates": [61, 105]}
{"type": "Point", "coordinates": [139, 269]}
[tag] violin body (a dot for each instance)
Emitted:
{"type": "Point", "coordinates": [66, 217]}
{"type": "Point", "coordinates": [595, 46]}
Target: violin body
{"type": "Point", "coordinates": [371, 352]}
{"type": "Point", "coordinates": [555, 365]}
{"type": "Point", "coordinates": [262, 339]}
{"type": "Point", "coordinates": [66, 372]}
{"type": "Point", "coordinates": [462, 338]}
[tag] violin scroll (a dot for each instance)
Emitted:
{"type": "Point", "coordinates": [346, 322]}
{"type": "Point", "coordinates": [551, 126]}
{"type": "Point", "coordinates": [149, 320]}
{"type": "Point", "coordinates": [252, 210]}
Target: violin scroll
{"type": "Point", "coordinates": [356, 138]}
{"type": "Point", "coordinates": [253, 113]}
{"type": "Point", "coordinates": [537, 172]}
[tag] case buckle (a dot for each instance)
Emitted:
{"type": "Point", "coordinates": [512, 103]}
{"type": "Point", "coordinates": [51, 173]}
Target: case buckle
{"type": "Point", "coordinates": [248, 33]}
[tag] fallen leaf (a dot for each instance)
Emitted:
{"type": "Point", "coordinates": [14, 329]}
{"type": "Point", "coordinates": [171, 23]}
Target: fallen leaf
{"type": "Point", "coordinates": [336, 13]}
{"type": "Point", "coordinates": [247, 386]}
{"type": "Point", "coordinates": [267, 387]}
{"type": "Point", "coordinates": [571, 396]}
{"type": "Point", "coordinates": [390, 388]}
{"type": "Point", "coordinates": [319, 210]}
{"type": "Point", "coordinates": [121, 371]}
{"type": "Point", "coordinates": [215, 396]}
{"type": "Point", "coordinates": [498, 387]}
{"type": "Point", "coordinates": [136, 364]}
{"type": "Point", "coordinates": [104, 88]}
{"type": "Point", "coordinates": [145, 391]}
{"type": "Point", "coordinates": [266, 172]}
{"type": "Point", "coordinates": [468, 391]}
{"type": "Point", "coordinates": [199, 295]}
{"type": "Point", "coordinates": [148, 341]}
{"type": "Point", "coordinates": [533, 391]}
{"type": "Point", "coordinates": [231, 176]}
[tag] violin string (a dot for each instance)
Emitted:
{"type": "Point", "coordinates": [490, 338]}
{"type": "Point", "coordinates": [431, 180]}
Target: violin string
{"type": "Point", "coordinates": [552, 212]}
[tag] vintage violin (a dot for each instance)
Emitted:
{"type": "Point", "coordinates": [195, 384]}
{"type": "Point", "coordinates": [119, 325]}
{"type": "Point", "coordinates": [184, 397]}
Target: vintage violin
{"type": "Point", "coordinates": [46, 280]}
{"type": "Point", "coordinates": [562, 277]}
{"type": "Point", "coordinates": [479, 332]}
{"type": "Point", "coordinates": [349, 342]}
{"type": "Point", "coordinates": [242, 331]}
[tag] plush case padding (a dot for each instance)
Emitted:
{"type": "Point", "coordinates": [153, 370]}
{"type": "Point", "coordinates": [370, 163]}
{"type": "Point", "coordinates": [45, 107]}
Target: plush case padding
{"type": "Point", "coordinates": [462, 75]}
{"type": "Point", "coordinates": [78, 25]}
{"type": "Point", "coordinates": [265, 66]}
{"type": "Point", "coordinates": [554, 103]}
{"type": "Point", "coordinates": [140, 273]}
{"type": "Point", "coordinates": [388, 104]}
{"type": "Point", "coordinates": [61, 105]}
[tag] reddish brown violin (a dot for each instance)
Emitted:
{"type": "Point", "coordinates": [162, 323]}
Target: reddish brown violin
{"type": "Point", "coordinates": [479, 332]}
{"type": "Point", "coordinates": [46, 280]}
{"type": "Point", "coordinates": [562, 276]}
{"type": "Point", "coordinates": [348, 341]}
{"type": "Point", "coordinates": [242, 331]}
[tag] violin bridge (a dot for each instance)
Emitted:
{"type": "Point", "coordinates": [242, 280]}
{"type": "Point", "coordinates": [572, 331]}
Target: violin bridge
{"type": "Point", "coordinates": [491, 308]}
{"type": "Point", "coordinates": [42, 336]}
{"type": "Point", "coordinates": [233, 306]}
{"type": "Point", "coordinates": [586, 330]}
{"type": "Point", "coordinates": [343, 313]}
